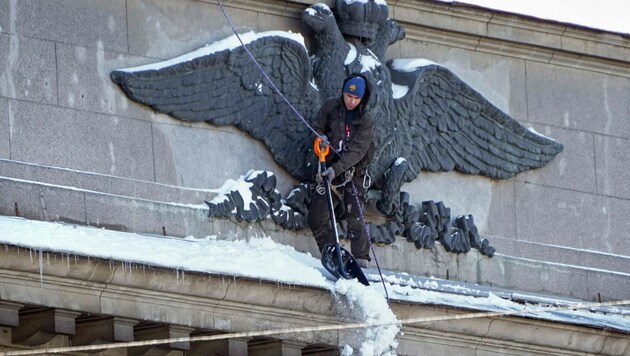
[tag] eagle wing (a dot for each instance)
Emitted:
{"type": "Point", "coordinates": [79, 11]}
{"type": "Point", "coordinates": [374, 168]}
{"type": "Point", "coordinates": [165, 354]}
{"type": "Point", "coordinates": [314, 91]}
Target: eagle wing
{"type": "Point", "coordinates": [222, 85]}
{"type": "Point", "coordinates": [447, 126]}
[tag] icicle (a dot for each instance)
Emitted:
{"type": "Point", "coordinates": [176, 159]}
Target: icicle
{"type": "Point", "coordinates": [41, 269]}
{"type": "Point", "coordinates": [30, 254]}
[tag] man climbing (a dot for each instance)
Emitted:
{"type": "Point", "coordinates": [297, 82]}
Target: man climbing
{"type": "Point", "coordinates": [348, 128]}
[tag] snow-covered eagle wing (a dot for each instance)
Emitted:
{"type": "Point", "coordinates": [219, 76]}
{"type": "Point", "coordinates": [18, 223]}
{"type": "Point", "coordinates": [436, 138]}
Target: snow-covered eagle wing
{"type": "Point", "coordinates": [448, 125]}
{"type": "Point", "coordinates": [221, 84]}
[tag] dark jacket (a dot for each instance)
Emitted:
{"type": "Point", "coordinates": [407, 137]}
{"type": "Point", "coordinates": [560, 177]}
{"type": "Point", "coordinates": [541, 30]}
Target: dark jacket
{"type": "Point", "coordinates": [357, 149]}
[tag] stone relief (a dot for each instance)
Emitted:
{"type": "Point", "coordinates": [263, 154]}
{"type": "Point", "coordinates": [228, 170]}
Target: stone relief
{"type": "Point", "coordinates": [426, 118]}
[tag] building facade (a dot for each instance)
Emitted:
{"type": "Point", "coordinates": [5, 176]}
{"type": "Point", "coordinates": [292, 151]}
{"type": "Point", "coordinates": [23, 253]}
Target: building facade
{"type": "Point", "coordinates": [75, 148]}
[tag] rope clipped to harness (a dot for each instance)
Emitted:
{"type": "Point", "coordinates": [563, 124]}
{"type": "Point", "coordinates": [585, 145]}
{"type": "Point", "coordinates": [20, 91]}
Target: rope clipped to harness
{"type": "Point", "coordinates": [337, 260]}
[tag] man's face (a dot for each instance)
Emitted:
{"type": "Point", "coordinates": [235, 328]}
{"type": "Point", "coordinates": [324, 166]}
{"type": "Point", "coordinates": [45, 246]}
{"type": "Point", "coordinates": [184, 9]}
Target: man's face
{"type": "Point", "coordinates": [351, 101]}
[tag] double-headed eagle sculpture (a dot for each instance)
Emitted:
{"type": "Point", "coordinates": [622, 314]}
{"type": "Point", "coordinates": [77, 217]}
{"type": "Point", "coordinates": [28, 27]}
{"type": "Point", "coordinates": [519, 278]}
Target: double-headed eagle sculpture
{"type": "Point", "coordinates": [426, 118]}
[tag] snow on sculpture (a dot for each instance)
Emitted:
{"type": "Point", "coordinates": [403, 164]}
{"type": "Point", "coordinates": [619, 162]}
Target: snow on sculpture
{"type": "Point", "coordinates": [426, 118]}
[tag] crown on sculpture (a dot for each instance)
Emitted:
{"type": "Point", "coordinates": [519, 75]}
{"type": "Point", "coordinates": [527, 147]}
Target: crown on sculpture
{"type": "Point", "coordinates": [361, 18]}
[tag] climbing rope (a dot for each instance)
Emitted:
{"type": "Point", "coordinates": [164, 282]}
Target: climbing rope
{"type": "Point", "coordinates": [262, 71]}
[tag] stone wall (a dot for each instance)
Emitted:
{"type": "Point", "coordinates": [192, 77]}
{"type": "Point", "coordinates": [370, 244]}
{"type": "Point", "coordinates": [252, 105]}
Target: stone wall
{"type": "Point", "coordinates": [567, 83]}
{"type": "Point", "coordinates": [59, 108]}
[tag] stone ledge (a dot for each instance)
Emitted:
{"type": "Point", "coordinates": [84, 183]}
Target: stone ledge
{"type": "Point", "coordinates": [486, 23]}
{"type": "Point", "coordinates": [103, 183]}
{"type": "Point", "coordinates": [200, 301]}
{"type": "Point", "coordinates": [40, 201]}
{"type": "Point", "coordinates": [561, 254]}
{"type": "Point", "coordinates": [490, 31]}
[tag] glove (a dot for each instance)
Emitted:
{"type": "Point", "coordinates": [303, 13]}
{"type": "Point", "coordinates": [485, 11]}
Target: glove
{"type": "Point", "coordinates": [329, 172]}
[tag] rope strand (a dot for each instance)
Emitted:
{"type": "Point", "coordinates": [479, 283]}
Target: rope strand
{"type": "Point", "coordinates": [262, 71]}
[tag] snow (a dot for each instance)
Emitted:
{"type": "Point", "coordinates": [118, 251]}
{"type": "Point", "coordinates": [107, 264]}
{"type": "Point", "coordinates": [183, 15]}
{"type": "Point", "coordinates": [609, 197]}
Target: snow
{"type": "Point", "coordinates": [251, 258]}
{"type": "Point", "coordinates": [399, 90]}
{"type": "Point", "coordinates": [410, 65]}
{"type": "Point", "coordinates": [352, 54]}
{"type": "Point", "coordinates": [368, 62]}
{"type": "Point", "coordinates": [532, 130]}
{"type": "Point", "coordinates": [609, 15]}
{"type": "Point", "coordinates": [210, 255]}
{"type": "Point", "coordinates": [228, 43]}
{"type": "Point", "coordinates": [240, 185]}
{"type": "Point", "coordinates": [378, 2]}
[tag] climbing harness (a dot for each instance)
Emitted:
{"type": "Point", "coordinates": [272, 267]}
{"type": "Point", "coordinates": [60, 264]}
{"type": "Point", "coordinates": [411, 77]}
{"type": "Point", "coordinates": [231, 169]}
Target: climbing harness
{"type": "Point", "coordinates": [367, 180]}
{"type": "Point", "coordinates": [337, 260]}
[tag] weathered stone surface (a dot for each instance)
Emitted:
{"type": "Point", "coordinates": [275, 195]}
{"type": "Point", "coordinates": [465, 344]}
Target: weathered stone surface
{"type": "Point", "coordinates": [580, 200]}
{"type": "Point", "coordinates": [512, 35]}
{"type": "Point", "coordinates": [86, 23]}
{"type": "Point", "coordinates": [137, 215]}
{"type": "Point", "coordinates": [573, 168]}
{"type": "Point", "coordinates": [231, 346]}
{"type": "Point", "coordinates": [5, 129]}
{"type": "Point", "coordinates": [603, 44]}
{"type": "Point", "coordinates": [41, 326]}
{"type": "Point", "coordinates": [183, 25]}
{"type": "Point", "coordinates": [414, 12]}
{"type": "Point", "coordinates": [103, 183]}
{"type": "Point", "coordinates": [9, 313]}
{"type": "Point", "coordinates": [27, 69]}
{"type": "Point", "coordinates": [545, 278]}
{"type": "Point", "coordinates": [560, 254]}
{"type": "Point", "coordinates": [572, 219]}
{"type": "Point", "coordinates": [84, 82]}
{"type": "Point", "coordinates": [501, 80]}
{"type": "Point", "coordinates": [200, 156]}
{"type": "Point", "coordinates": [489, 202]}
{"type": "Point", "coordinates": [103, 330]}
{"type": "Point", "coordinates": [6, 14]}
{"type": "Point", "coordinates": [81, 140]}
{"type": "Point", "coordinates": [598, 286]}
{"type": "Point", "coordinates": [50, 287]}
{"type": "Point", "coordinates": [41, 202]}
{"type": "Point", "coordinates": [501, 214]}
{"type": "Point", "coordinates": [511, 27]}
{"type": "Point", "coordinates": [611, 155]}
{"type": "Point", "coordinates": [578, 99]}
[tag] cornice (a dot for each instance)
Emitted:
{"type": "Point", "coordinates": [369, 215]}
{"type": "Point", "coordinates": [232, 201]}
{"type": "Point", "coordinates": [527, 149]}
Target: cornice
{"type": "Point", "coordinates": [515, 36]}
{"type": "Point", "coordinates": [488, 31]}
{"type": "Point", "coordinates": [231, 304]}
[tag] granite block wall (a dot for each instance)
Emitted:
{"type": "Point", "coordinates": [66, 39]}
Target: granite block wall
{"type": "Point", "coordinates": [58, 106]}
